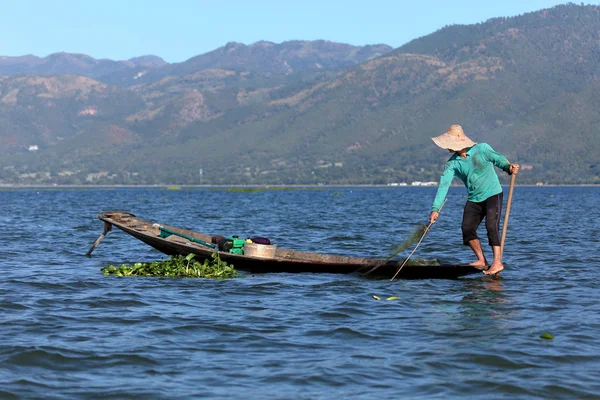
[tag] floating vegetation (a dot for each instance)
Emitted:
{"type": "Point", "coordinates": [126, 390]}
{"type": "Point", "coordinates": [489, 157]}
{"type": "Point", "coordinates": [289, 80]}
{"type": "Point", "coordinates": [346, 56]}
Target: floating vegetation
{"type": "Point", "coordinates": [174, 187]}
{"type": "Point", "coordinates": [54, 188]}
{"type": "Point", "coordinates": [264, 188]}
{"type": "Point", "coordinates": [547, 336]}
{"type": "Point", "coordinates": [177, 267]}
{"type": "Point", "coordinates": [337, 194]}
{"type": "Point", "coordinates": [389, 298]}
{"type": "Point", "coordinates": [245, 190]}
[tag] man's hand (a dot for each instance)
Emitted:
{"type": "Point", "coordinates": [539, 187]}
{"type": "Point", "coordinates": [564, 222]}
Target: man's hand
{"type": "Point", "coordinates": [513, 169]}
{"type": "Point", "coordinates": [433, 216]}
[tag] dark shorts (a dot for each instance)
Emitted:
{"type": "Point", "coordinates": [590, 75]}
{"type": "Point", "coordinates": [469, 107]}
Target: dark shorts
{"type": "Point", "coordinates": [490, 209]}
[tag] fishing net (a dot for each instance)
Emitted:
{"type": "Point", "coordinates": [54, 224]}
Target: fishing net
{"type": "Point", "coordinates": [414, 238]}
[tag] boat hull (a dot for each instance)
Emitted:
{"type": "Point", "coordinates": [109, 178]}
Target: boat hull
{"type": "Point", "coordinates": [184, 242]}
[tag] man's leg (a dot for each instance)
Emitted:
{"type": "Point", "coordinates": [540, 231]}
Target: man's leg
{"type": "Point", "coordinates": [472, 216]}
{"type": "Point", "coordinates": [497, 265]}
{"type": "Point", "coordinates": [493, 207]}
{"type": "Point", "coordinates": [475, 245]}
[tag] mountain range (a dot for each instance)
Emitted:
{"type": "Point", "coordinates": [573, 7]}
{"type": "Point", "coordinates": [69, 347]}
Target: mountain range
{"type": "Point", "coordinates": [312, 111]}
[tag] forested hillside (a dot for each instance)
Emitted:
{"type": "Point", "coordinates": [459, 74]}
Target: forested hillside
{"type": "Point", "coordinates": [319, 112]}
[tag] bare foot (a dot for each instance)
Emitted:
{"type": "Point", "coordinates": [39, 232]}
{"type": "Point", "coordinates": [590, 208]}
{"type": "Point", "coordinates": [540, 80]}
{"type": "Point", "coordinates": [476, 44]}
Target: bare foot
{"type": "Point", "coordinates": [494, 269]}
{"type": "Point", "coordinates": [479, 264]}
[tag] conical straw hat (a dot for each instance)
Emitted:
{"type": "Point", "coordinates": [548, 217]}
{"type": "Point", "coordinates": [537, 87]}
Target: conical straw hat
{"type": "Point", "coordinates": [454, 139]}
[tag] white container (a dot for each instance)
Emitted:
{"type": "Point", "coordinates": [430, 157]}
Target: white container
{"type": "Point", "coordinates": [259, 250]}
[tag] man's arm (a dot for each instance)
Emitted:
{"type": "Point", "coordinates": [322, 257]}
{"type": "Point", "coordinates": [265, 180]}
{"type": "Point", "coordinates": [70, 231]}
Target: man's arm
{"type": "Point", "coordinates": [445, 181]}
{"type": "Point", "coordinates": [500, 161]}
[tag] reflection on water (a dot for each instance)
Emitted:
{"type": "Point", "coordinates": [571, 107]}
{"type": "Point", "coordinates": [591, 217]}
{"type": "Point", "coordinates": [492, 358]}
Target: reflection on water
{"type": "Point", "coordinates": [484, 303]}
{"type": "Point", "coordinates": [485, 290]}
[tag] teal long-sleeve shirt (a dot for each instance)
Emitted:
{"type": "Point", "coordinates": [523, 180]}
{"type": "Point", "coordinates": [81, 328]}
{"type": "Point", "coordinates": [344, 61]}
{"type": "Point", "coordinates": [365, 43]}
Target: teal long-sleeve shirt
{"type": "Point", "coordinates": [476, 171]}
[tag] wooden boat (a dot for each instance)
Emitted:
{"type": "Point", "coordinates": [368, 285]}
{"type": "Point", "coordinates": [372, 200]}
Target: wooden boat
{"type": "Point", "coordinates": [182, 242]}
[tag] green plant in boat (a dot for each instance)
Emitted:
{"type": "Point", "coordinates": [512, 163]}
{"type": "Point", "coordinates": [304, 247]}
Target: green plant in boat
{"type": "Point", "coordinates": [178, 267]}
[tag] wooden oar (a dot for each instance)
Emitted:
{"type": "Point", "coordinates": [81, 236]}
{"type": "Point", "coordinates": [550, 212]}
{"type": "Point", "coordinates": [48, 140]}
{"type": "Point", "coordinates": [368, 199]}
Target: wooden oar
{"type": "Point", "coordinates": [508, 204]}
{"type": "Point", "coordinates": [107, 228]}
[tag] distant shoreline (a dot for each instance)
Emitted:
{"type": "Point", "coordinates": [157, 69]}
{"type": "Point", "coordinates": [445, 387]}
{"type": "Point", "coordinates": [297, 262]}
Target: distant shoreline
{"type": "Point", "coordinates": [182, 187]}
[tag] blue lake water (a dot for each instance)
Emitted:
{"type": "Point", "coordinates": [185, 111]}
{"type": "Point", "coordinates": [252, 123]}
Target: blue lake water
{"type": "Point", "coordinates": [70, 332]}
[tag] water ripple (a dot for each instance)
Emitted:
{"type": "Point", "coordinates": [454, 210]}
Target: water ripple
{"type": "Point", "coordinates": [70, 332]}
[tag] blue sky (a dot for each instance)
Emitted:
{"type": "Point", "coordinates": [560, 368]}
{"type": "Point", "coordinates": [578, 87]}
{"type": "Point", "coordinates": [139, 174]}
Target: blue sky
{"type": "Point", "coordinates": [180, 29]}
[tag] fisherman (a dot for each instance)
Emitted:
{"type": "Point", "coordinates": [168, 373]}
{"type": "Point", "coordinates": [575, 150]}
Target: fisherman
{"type": "Point", "coordinates": [473, 163]}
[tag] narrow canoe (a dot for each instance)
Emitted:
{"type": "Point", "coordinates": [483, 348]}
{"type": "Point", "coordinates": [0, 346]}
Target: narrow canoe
{"type": "Point", "coordinates": [183, 242]}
